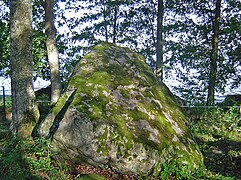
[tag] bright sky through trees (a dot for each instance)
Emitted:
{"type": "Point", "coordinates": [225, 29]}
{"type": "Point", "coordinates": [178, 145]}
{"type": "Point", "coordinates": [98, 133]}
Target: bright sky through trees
{"type": "Point", "coordinates": [187, 35]}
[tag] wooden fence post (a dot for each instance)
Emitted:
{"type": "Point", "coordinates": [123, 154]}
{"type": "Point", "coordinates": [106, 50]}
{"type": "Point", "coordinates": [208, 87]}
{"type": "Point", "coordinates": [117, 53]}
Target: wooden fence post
{"type": "Point", "coordinates": [240, 112]}
{"type": "Point", "coordinates": [4, 104]}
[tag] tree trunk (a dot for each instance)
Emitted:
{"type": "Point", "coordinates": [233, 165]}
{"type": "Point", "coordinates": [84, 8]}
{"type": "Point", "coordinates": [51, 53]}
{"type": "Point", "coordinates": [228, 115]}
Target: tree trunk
{"type": "Point", "coordinates": [53, 57]}
{"type": "Point", "coordinates": [214, 55]}
{"type": "Point", "coordinates": [159, 45]}
{"type": "Point", "coordinates": [115, 24]}
{"type": "Point", "coordinates": [25, 111]}
{"type": "Point", "coordinates": [240, 112]}
{"type": "Point", "coordinates": [105, 23]}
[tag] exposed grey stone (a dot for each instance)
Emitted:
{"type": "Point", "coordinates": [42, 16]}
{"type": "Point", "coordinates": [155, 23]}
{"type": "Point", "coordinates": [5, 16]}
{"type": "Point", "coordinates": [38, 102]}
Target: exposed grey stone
{"type": "Point", "coordinates": [116, 114]}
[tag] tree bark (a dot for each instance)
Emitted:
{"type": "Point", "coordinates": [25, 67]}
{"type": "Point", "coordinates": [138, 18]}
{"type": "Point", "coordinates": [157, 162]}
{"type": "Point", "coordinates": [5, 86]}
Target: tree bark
{"type": "Point", "coordinates": [105, 23]}
{"type": "Point", "coordinates": [115, 23]}
{"type": "Point", "coordinates": [159, 45]}
{"type": "Point", "coordinates": [53, 56]}
{"type": "Point", "coordinates": [25, 111]}
{"type": "Point", "coordinates": [214, 55]}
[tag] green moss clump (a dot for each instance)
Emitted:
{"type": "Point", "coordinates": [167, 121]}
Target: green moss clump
{"type": "Point", "coordinates": [103, 148]}
{"type": "Point", "coordinates": [60, 104]}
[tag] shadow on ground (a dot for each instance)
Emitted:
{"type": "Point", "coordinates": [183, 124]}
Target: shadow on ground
{"type": "Point", "coordinates": [12, 162]}
{"type": "Point", "coordinates": [223, 157]}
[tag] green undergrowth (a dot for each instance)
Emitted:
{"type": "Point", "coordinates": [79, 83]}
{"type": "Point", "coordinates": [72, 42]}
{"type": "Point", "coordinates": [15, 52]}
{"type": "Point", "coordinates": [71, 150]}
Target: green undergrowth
{"type": "Point", "coordinates": [32, 159]}
{"type": "Point", "coordinates": [217, 132]}
{"type": "Point", "coordinates": [8, 101]}
{"type": "Point", "coordinates": [28, 159]}
{"type": "Point", "coordinates": [90, 177]}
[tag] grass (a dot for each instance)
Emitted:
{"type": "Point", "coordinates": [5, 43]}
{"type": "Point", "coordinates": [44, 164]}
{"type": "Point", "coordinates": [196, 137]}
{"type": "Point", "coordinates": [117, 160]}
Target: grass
{"type": "Point", "coordinates": [218, 134]}
{"type": "Point", "coordinates": [217, 131]}
{"type": "Point", "coordinates": [8, 101]}
{"type": "Point", "coordinates": [28, 159]}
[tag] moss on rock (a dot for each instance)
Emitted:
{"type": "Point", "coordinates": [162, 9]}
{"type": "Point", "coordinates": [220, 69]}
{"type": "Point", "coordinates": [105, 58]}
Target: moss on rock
{"type": "Point", "coordinates": [120, 116]}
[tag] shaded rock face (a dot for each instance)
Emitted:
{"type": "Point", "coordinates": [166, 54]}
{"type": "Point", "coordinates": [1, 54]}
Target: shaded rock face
{"type": "Point", "coordinates": [116, 114]}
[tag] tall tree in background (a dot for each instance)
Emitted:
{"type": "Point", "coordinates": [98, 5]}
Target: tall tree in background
{"type": "Point", "coordinates": [53, 56]}
{"type": "Point", "coordinates": [38, 43]}
{"type": "Point", "coordinates": [214, 54]}
{"type": "Point", "coordinates": [115, 23]}
{"type": "Point", "coordinates": [187, 32]}
{"type": "Point", "coordinates": [105, 20]}
{"type": "Point", "coordinates": [159, 45]}
{"type": "Point", "coordinates": [41, 65]}
{"type": "Point", "coordinates": [25, 111]}
{"type": "Point", "coordinates": [190, 50]}
{"type": "Point", "coordinates": [131, 23]}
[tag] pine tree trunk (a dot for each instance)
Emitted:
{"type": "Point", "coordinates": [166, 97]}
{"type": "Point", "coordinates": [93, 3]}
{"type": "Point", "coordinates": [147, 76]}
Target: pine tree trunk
{"type": "Point", "coordinates": [214, 55]}
{"type": "Point", "coordinates": [105, 24]}
{"type": "Point", "coordinates": [25, 111]}
{"type": "Point", "coordinates": [159, 46]}
{"type": "Point", "coordinates": [115, 24]}
{"type": "Point", "coordinates": [53, 56]}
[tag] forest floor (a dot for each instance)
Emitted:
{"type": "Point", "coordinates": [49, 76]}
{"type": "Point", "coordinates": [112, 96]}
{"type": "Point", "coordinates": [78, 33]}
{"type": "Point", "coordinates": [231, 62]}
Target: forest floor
{"type": "Point", "coordinates": [218, 136]}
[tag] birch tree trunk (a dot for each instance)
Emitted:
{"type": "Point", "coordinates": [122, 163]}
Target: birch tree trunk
{"type": "Point", "coordinates": [25, 111]}
{"type": "Point", "coordinates": [159, 45]}
{"type": "Point", "coordinates": [214, 55]}
{"type": "Point", "coordinates": [53, 56]}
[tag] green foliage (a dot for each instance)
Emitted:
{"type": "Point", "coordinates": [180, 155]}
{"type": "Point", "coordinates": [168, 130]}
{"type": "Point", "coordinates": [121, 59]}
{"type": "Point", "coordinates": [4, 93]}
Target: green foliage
{"type": "Point", "coordinates": [8, 101]}
{"type": "Point", "coordinates": [44, 97]}
{"type": "Point", "coordinates": [218, 133]}
{"type": "Point", "coordinates": [29, 160]}
{"type": "Point", "coordinates": [5, 48]}
{"type": "Point", "coordinates": [231, 100]}
{"type": "Point", "coordinates": [191, 50]}
{"type": "Point", "coordinates": [12, 164]}
{"type": "Point", "coordinates": [218, 123]}
{"type": "Point", "coordinates": [90, 177]}
{"type": "Point", "coordinates": [41, 67]}
{"type": "Point", "coordinates": [175, 169]}
{"type": "Point", "coordinates": [187, 38]}
{"type": "Point", "coordinates": [131, 23]}
{"type": "Point", "coordinates": [39, 51]}
{"type": "Point", "coordinates": [204, 173]}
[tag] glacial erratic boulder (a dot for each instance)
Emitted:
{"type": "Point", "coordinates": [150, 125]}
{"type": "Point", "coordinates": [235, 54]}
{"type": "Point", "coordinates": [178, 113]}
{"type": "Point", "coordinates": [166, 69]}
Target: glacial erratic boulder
{"type": "Point", "coordinates": [116, 114]}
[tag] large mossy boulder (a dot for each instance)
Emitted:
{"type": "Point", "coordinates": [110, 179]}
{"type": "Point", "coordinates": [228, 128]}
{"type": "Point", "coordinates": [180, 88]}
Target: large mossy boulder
{"type": "Point", "coordinates": [116, 114]}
